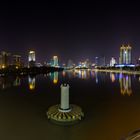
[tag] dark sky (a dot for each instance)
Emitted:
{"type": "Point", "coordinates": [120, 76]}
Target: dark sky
{"type": "Point", "coordinates": [70, 30]}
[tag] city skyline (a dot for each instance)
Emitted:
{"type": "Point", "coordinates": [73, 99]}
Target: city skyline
{"type": "Point", "coordinates": [70, 70]}
{"type": "Point", "coordinates": [70, 31]}
{"type": "Point", "coordinates": [101, 59]}
{"type": "Point", "coordinates": [31, 56]}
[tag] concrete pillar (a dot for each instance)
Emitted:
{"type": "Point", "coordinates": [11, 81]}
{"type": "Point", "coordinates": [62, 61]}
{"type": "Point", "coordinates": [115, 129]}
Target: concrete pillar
{"type": "Point", "coordinates": [64, 105]}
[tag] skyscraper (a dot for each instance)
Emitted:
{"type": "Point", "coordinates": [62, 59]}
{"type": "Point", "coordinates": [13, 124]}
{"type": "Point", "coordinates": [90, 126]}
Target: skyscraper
{"type": "Point", "coordinates": [138, 61]}
{"type": "Point", "coordinates": [31, 58]}
{"type": "Point", "coordinates": [125, 54]}
{"type": "Point", "coordinates": [5, 59]}
{"type": "Point", "coordinates": [55, 61]}
{"type": "Point", "coordinates": [112, 62]}
{"type": "Point", "coordinates": [100, 61]}
{"type": "Point", "coordinates": [17, 61]}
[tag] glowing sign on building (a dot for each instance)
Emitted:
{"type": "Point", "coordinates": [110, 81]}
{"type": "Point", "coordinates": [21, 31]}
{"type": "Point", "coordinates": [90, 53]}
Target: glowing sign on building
{"type": "Point", "coordinates": [31, 56]}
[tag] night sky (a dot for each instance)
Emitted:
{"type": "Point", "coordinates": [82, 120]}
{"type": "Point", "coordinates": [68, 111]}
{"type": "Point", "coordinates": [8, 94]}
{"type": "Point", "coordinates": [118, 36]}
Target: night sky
{"type": "Point", "coordinates": [70, 30]}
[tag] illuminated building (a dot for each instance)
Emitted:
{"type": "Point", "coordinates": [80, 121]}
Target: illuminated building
{"type": "Point", "coordinates": [88, 63]}
{"type": "Point", "coordinates": [31, 58]}
{"type": "Point", "coordinates": [31, 81]}
{"type": "Point", "coordinates": [96, 61]}
{"type": "Point", "coordinates": [70, 64]}
{"type": "Point", "coordinates": [125, 54]}
{"type": "Point", "coordinates": [55, 61]}
{"type": "Point", "coordinates": [17, 61]}
{"type": "Point", "coordinates": [5, 59]}
{"type": "Point", "coordinates": [125, 84]}
{"type": "Point", "coordinates": [100, 61]}
{"type": "Point", "coordinates": [112, 62]}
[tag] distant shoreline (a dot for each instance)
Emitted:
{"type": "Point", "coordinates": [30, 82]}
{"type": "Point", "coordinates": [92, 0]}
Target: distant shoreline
{"type": "Point", "coordinates": [29, 71]}
{"type": "Point", "coordinates": [118, 71]}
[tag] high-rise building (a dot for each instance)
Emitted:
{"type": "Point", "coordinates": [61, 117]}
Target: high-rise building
{"type": "Point", "coordinates": [96, 61]}
{"type": "Point", "coordinates": [17, 61]}
{"type": "Point", "coordinates": [55, 61]}
{"type": "Point", "coordinates": [100, 61]}
{"type": "Point", "coordinates": [138, 61]}
{"type": "Point", "coordinates": [5, 59]}
{"type": "Point", "coordinates": [112, 62]}
{"type": "Point", "coordinates": [88, 63]}
{"type": "Point", "coordinates": [31, 58]}
{"type": "Point", "coordinates": [70, 64]}
{"type": "Point", "coordinates": [125, 54]}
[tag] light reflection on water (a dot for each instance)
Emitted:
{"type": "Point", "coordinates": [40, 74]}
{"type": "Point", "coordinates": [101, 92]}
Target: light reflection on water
{"type": "Point", "coordinates": [31, 82]}
{"type": "Point", "coordinates": [125, 80]}
{"type": "Point", "coordinates": [115, 115]}
{"type": "Point", "coordinates": [125, 84]}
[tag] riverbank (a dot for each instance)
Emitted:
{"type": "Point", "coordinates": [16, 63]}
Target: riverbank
{"type": "Point", "coordinates": [118, 71]}
{"type": "Point", "coordinates": [29, 71]}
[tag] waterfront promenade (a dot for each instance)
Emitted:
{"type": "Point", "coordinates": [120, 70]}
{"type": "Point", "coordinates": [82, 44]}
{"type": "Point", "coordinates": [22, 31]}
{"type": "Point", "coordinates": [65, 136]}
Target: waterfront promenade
{"type": "Point", "coordinates": [118, 71]}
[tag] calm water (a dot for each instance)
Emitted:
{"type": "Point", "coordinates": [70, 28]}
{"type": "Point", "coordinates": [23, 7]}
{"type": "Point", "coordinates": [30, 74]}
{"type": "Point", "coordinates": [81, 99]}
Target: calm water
{"type": "Point", "coordinates": [111, 103]}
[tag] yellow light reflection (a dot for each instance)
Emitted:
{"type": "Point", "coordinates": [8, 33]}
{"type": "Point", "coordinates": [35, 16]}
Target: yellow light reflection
{"type": "Point", "coordinates": [17, 82]}
{"type": "Point", "coordinates": [125, 85]}
{"type": "Point", "coordinates": [55, 78]}
{"type": "Point", "coordinates": [112, 76]}
{"type": "Point", "coordinates": [63, 73]}
{"type": "Point", "coordinates": [3, 66]}
{"type": "Point", "coordinates": [31, 83]}
{"type": "Point", "coordinates": [82, 74]}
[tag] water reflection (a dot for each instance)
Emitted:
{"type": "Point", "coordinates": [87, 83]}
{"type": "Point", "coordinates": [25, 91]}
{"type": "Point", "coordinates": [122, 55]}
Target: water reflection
{"type": "Point", "coordinates": [96, 77]}
{"type": "Point", "coordinates": [17, 81]}
{"type": "Point", "coordinates": [81, 74]}
{"type": "Point", "coordinates": [54, 77]}
{"type": "Point", "coordinates": [112, 77]}
{"type": "Point", "coordinates": [124, 80]}
{"type": "Point", "coordinates": [31, 81]}
{"type": "Point", "coordinates": [7, 82]}
{"type": "Point", "coordinates": [125, 84]}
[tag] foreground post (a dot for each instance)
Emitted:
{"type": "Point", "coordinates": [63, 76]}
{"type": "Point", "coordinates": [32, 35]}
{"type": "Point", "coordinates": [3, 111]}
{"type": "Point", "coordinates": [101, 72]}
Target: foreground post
{"type": "Point", "coordinates": [65, 113]}
{"type": "Point", "coordinates": [64, 104]}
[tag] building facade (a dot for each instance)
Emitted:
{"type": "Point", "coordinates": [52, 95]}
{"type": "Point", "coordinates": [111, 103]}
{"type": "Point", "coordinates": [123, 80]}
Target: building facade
{"type": "Point", "coordinates": [55, 61]}
{"type": "Point", "coordinates": [31, 59]}
{"type": "Point", "coordinates": [113, 62]}
{"type": "Point", "coordinates": [17, 61]}
{"type": "Point", "coordinates": [5, 59]}
{"type": "Point", "coordinates": [125, 54]}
